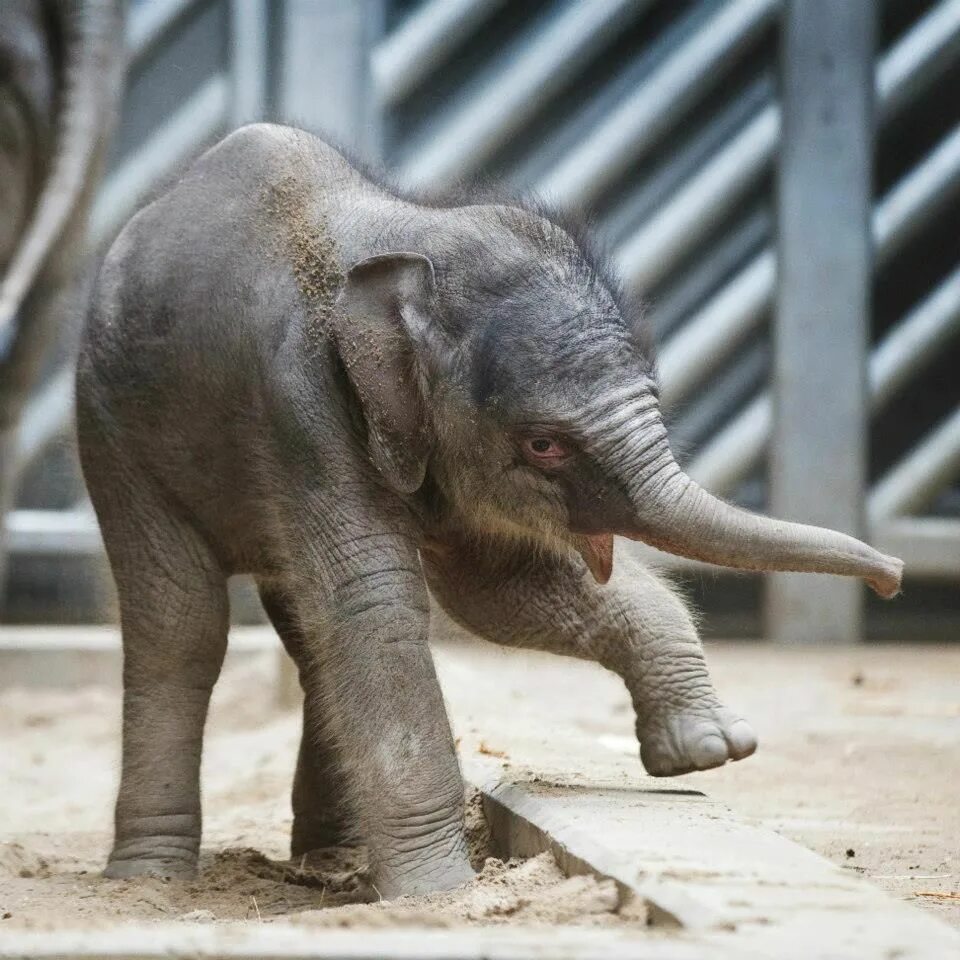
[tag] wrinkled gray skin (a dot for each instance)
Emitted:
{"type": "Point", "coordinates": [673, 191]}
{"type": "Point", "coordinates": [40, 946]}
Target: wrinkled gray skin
{"type": "Point", "coordinates": [60, 68]}
{"type": "Point", "coordinates": [290, 372]}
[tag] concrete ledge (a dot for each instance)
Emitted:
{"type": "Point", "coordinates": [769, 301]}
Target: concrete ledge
{"type": "Point", "coordinates": [54, 656]}
{"type": "Point", "coordinates": [702, 872]}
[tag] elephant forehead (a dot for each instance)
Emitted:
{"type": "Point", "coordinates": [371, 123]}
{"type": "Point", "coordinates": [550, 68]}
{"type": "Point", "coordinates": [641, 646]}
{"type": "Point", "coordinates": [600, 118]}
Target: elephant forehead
{"type": "Point", "coordinates": [551, 368]}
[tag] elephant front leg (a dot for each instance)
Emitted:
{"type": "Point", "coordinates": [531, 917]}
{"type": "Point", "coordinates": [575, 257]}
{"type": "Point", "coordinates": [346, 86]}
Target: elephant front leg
{"type": "Point", "coordinates": [682, 724]}
{"type": "Point", "coordinates": [635, 626]}
{"type": "Point", "coordinates": [384, 712]}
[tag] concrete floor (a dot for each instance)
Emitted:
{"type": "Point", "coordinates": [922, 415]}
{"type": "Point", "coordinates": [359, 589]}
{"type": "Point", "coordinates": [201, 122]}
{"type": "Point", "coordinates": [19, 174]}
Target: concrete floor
{"type": "Point", "coordinates": [859, 757]}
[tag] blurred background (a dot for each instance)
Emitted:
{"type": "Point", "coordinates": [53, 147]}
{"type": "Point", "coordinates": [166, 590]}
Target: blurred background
{"type": "Point", "coordinates": [780, 180]}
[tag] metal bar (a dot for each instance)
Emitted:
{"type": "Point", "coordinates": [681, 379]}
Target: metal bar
{"type": "Point", "coordinates": [595, 101]}
{"type": "Point", "coordinates": [248, 60]}
{"type": "Point", "coordinates": [914, 341]}
{"type": "Point", "coordinates": [916, 479]}
{"type": "Point", "coordinates": [171, 145]}
{"type": "Point", "coordinates": [44, 532]}
{"type": "Point", "coordinates": [914, 62]}
{"type": "Point", "coordinates": [422, 41]}
{"type": "Point", "coordinates": [630, 130]}
{"type": "Point", "coordinates": [516, 90]}
{"type": "Point", "coordinates": [924, 52]}
{"type": "Point", "coordinates": [730, 388]}
{"type": "Point", "coordinates": [737, 449]}
{"type": "Point", "coordinates": [642, 200]}
{"type": "Point", "coordinates": [677, 300]}
{"type": "Point", "coordinates": [717, 330]}
{"type": "Point", "coordinates": [701, 204]}
{"type": "Point", "coordinates": [820, 337]}
{"type": "Point", "coordinates": [150, 22]}
{"type": "Point", "coordinates": [325, 82]}
{"type": "Point", "coordinates": [918, 197]}
{"type": "Point", "coordinates": [823, 303]}
{"type": "Point", "coordinates": [928, 546]}
{"type": "Point", "coordinates": [47, 416]}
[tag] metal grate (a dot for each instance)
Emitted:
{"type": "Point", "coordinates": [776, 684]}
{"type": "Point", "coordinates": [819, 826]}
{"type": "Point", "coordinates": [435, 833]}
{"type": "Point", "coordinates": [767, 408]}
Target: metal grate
{"type": "Point", "coordinates": [661, 118]}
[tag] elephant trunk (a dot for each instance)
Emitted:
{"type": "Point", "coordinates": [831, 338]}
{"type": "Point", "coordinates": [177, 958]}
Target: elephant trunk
{"type": "Point", "coordinates": [675, 514]}
{"type": "Point", "coordinates": [93, 32]}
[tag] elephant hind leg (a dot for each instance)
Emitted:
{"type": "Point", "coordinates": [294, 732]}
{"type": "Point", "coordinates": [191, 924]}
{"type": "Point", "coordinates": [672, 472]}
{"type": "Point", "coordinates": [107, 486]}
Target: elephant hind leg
{"type": "Point", "coordinates": [320, 816]}
{"type": "Point", "coordinates": [174, 620]}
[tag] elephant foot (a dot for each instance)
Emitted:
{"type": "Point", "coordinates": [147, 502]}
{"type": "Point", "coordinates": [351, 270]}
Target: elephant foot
{"type": "Point", "coordinates": [164, 868]}
{"type": "Point", "coordinates": [431, 877]}
{"type": "Point", "coordinates": [697, 739]}
{"type": "Point", "coordinates": [319, 833]}
{"type": "Point", "coordinates": [167, 858]}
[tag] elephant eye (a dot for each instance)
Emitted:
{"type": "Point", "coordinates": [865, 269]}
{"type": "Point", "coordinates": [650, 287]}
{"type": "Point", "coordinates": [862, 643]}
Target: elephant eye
{"type": "Point", "coordinates": [545, 450]}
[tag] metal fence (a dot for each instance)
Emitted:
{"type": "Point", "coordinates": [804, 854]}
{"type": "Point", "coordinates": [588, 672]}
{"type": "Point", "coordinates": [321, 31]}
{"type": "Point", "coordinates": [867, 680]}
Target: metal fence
{"type": "Point", "coordinates": [665, 120]}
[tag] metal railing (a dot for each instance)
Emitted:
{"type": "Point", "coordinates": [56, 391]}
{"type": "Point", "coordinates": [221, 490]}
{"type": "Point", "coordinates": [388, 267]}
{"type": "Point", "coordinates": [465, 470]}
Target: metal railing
{"type": "Point", "coordinates": [704, 240]}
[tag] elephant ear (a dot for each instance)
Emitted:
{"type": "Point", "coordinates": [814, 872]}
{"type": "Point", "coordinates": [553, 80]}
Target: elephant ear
{"type": "Point", "coordinates": [382, 316]}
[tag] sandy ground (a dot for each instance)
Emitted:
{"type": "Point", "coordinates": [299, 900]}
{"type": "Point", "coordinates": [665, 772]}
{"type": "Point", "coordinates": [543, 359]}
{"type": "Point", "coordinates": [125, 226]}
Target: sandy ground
{"type": "Point", "coordinates": [859, 760]}
{"type": "Point", "coordinates": [59, 767]}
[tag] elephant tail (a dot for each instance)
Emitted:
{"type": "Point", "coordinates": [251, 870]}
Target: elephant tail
{"type": "Point", "coordinates": [89, 92]}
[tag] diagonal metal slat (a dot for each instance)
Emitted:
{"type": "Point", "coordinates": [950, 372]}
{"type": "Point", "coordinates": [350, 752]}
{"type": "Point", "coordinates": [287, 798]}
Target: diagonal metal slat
{"type": "Point", "coordinates": [716, 331]}
{"type": "Point", "coordinates": [739, 447]}
{"type": "Point", "coordinates": [914, 62]}
{"type": "Point", "coordinates": [462, 143]}
{"type": "Point", "coordinates": [408, 54]}
{"type": "Point", "coordinates": [150, 22]}
{"type": "Point", "coordinates": [914, 482]}
{"type": "Point", "coordinates": [638, 123]}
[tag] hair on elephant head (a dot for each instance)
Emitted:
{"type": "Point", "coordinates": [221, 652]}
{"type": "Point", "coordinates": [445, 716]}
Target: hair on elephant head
{"type": "Point", "coordinates": [503, 360]}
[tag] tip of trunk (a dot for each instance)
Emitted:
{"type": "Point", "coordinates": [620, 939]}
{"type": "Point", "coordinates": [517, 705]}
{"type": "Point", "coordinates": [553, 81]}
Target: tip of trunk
{"type": "Point", "coordinates": [837, 554]}
{"type": "Point", "coordinates": [886, 581]}
{"type": "Point", "coordinates": [684, 519]}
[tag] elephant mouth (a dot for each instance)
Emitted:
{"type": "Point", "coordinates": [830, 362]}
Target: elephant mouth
{"type": "Point", "coordinates": [597, 553]}
{"type": "Point", "coordinates": [596, 549]}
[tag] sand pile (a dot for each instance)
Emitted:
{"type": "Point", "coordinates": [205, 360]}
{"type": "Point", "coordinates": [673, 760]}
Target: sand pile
{"type": "Point", "coordinates": [59, 766]}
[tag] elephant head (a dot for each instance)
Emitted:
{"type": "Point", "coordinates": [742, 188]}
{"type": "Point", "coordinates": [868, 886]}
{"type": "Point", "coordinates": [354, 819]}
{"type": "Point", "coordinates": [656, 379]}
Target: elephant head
{"type": "Point", "coordinates": [513, 373]}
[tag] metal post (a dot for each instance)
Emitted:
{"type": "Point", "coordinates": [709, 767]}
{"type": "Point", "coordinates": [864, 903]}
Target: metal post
{"type": "Point", "coordinates": [817, 469]}
{"type": "Point", "coordinates": [325, 76]}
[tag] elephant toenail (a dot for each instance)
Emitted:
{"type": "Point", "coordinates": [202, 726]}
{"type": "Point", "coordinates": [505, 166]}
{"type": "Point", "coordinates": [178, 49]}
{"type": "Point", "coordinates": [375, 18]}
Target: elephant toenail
{"type": "Point", "coordinates": [709, 751]}
{"type": "Point", "coordinates": [742, 739]}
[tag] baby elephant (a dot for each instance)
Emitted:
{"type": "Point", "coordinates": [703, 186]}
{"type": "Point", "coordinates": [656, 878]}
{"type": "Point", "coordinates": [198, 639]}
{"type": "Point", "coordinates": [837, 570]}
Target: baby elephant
{"type": "Point", "coordinates": [294, 372]}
